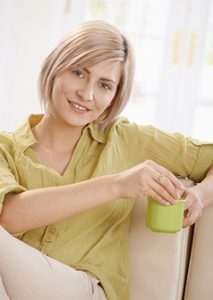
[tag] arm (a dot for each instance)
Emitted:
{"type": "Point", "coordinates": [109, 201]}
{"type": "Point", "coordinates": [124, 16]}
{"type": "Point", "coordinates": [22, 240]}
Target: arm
{"type": "Point", "coordinates": [41, 207]}
{"type": "Point", "coordinates": [198, 197]}
{"type": "Point", "coordinates": [183, 156]}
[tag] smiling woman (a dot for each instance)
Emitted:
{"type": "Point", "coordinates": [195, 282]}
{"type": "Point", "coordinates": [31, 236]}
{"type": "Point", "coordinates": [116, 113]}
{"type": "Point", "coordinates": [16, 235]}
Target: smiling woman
{"type": "Point", "coordinates": [88, 92]}
{"type": "Point", "coordinates": [69, 177]}
{"type": "Point", "coordinates": [80, 49]}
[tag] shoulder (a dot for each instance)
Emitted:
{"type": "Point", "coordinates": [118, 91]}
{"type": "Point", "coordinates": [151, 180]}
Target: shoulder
{"type": "Point", "coordinates": [9, 140]}
{"type": "Point", "coordinates": [145, 136]}
{"type": "Point", "coordinates": [127, 130]}
{"type": "Point", "coordinates": [8, 146]}
{"type": "Point", "coordinates": [6, 140]}
{"type": "Point", "coordinates": [20, 139]}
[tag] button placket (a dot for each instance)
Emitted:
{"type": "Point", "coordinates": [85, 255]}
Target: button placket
{"type": "Point", "coordinates": [50, 235]}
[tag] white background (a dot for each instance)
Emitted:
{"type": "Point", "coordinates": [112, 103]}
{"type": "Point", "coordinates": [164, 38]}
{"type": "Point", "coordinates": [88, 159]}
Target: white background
{"type": "Point", "coordinates": [173, 41]}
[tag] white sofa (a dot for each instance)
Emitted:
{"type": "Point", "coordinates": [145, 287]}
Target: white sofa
{"type": "Point", "coordinates": [171, 266]}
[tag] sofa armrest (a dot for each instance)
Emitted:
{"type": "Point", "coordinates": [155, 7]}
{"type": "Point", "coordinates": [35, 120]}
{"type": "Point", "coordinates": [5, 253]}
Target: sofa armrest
{"type": "Point", "coordinates": [158, 261]}
{"type": "Point", "coordinates": [200, 275]}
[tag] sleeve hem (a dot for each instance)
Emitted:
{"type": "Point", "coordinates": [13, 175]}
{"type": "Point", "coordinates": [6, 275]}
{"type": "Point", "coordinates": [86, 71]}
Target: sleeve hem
{"type": "Point", "coordinates": [7, 190]}
{"type": "Point", "coordinates": [202, 165]}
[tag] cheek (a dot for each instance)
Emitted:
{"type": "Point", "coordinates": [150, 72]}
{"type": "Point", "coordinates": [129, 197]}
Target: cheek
{"type": "Point", "coordinates": [104, 103]}
{"type": "Point", "coordinates": [111, 99]}
{"type": "Point", "coordinates": [55, 87]}
{"type": "Point", "coordinates": [106, 99]}
{"type": "Point", "coordinates": [58, 89]}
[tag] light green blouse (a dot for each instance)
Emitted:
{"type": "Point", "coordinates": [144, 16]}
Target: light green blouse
{"type": "Point", "coordinates": [96, 240]}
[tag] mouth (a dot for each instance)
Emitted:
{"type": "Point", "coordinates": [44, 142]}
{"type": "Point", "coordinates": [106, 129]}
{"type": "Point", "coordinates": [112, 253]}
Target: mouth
{"type": "Point", "coordinates": [77, 107]}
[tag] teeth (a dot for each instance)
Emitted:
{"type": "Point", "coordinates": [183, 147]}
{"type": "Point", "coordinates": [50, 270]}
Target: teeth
{"type": "Point", "coordinates": [78, 106]}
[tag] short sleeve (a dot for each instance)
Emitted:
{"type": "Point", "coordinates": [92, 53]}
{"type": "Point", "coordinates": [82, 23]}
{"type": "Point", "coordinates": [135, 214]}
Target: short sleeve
{"type": "Point", "coordinates": [8, 181]}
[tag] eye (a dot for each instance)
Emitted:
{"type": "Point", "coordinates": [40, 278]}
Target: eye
{"type": "Point", "coordinates": [79, 73]}
{"type": "Point", "coordinates": [105, 86]}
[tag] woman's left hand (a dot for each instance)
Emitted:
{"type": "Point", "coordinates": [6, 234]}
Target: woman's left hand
{"type": "Point", "coordinates": [198, 197]}
{"type": "Point", "coordinates": [193, 207]}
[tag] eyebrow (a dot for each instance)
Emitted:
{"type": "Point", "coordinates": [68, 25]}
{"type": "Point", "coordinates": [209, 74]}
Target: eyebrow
{"type": "Point", "coordinates": [102, 78]}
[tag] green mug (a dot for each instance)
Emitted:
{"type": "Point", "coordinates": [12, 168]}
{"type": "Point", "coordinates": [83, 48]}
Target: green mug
{"type": "Point", "coordinates": [167, 219]}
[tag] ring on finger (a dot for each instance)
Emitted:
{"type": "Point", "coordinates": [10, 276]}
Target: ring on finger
{"type": "Point", "coordinates": [160, 177]}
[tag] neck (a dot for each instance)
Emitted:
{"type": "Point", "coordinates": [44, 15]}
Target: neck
{"type": "Point", "coordinates": [55, 135]}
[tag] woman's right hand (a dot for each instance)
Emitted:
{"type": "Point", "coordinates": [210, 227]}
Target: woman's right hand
{"type": "Point", "coordinates": [150, 179]}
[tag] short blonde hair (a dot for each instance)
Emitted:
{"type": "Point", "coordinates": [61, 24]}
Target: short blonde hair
{"type": "Point", "coordinates": [88, 44]}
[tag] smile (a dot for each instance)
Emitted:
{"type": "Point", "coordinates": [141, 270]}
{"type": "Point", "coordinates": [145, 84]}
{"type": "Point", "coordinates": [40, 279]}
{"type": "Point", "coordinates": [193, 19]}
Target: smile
{"type": "Point", "coordinates": [77, 107]}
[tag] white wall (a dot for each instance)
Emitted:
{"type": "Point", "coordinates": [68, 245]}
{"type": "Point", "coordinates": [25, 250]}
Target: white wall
{"type": "Point", "coordinates": [26, 38]}
{"type": "Point", "coordinates": [30, 28]}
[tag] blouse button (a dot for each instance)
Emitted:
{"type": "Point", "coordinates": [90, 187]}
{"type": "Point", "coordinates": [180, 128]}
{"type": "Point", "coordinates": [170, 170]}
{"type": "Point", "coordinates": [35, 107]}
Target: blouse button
{"type": "Point", "coordinates": [52, 229]}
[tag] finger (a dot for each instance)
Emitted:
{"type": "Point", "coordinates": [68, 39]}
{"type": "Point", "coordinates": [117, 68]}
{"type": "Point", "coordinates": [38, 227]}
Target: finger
{"type": "Point", "coordinates": [187, 213]}
{"type": "Point", "coordinates": [166, 184]}
{"type": "Point", "coordinates": [161, 194]}
{"type": "Point", "coordinates": [177, 183]}
{"type": "Point", "coordinates": [190, 219]}
{"type": "Point", "coordinates": [187, 218]}
{"type": "Point", "coordinates": [188, 203]}
{"type": "Point", "coordinates": [190, 199]}
{"type": "Point", "coordinates": [187, 222]}
{"type": "Point", "coordinates": [158, 198]}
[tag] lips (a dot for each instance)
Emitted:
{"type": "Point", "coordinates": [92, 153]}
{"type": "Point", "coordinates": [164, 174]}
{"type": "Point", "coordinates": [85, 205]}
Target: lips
{"type": "Point", "coordinates": [77, 107]}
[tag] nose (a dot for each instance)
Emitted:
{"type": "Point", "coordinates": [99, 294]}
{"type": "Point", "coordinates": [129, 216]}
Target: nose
{"type": "Point", "coordinates": [86, 92]}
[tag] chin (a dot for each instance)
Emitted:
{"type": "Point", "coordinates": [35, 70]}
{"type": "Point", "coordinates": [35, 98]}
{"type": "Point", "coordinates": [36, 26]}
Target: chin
{"type": "Point", "coordinates": [76, 123]}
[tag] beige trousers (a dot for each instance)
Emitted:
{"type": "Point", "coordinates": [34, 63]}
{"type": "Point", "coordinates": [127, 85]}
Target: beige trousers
{"type": "Point", "coordinates": [28, 274]}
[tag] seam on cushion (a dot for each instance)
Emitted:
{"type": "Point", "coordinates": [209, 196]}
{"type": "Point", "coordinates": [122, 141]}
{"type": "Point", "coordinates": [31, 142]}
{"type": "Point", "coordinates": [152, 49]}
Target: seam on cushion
{"type": "Point", "coordinates": [182, 261]}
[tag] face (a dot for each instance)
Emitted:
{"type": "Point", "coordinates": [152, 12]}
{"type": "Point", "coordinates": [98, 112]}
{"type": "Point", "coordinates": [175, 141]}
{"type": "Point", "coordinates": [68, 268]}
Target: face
{"type": "Point", "coordinates": [81, 95]}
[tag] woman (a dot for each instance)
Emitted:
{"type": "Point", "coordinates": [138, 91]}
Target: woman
{"type": "Point", "coordinates": [69, 177]}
